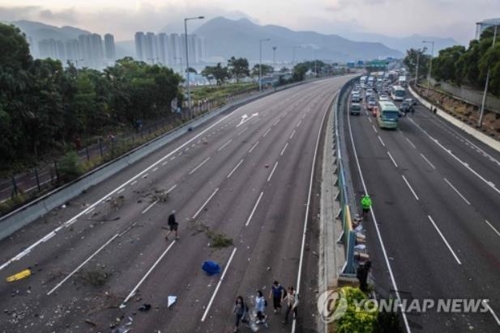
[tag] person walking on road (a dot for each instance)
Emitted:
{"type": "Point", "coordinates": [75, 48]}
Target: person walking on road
{"type": "Point", "coordinates": [240, 310]}
{"type": "Point", "coordinates": [260, 308]}
{"type": "Point", "coordinates": [277, 293]}
{"type": "Point", "coordinates": [366, 204]}
{"type": "Point", "coordinates": [292, 301]}
{"type": "Point", "coordinates": [173, 225]}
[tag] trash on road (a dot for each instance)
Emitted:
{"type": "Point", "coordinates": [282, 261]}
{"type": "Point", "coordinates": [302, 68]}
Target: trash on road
{"type": "Point", "coordinates": [211, 267]}
{"type": "Point", "coordinates": [19, 276]}
{"type": "Point", "coordinates": [171, 300]}
{"type": "Point", "coordinates": [145, 307]}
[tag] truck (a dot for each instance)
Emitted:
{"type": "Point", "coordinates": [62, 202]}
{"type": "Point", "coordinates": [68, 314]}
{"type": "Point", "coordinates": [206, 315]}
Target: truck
{"type": "Point", "coordinates": [402, 80]}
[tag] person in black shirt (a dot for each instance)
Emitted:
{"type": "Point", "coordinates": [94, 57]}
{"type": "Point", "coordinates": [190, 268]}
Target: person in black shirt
{"type": "Point", "coordinates": [173, 225]}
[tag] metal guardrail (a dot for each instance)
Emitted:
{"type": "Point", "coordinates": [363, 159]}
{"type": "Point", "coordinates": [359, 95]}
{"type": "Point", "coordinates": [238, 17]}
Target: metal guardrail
{"type": "Point", "coordinates": [348, 237]}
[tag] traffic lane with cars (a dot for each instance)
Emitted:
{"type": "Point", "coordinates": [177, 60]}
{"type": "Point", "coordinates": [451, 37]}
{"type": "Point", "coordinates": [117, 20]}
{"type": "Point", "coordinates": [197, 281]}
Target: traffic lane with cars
{"type": "Point", "coordinates": [406, 239]}
{"type": "Point", "coordinates": [148, 256]}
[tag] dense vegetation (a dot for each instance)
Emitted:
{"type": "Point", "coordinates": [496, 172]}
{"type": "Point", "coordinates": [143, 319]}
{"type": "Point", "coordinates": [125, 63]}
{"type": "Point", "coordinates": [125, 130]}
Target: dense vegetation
{"type": "Point", "coordinates": [44, 107]}
{"type": "Point", "coordinates": [464, 66]}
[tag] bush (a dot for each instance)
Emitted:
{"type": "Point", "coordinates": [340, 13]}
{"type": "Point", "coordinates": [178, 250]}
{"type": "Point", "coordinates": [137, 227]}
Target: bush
{"type": "Point", "coordinates": [356, 320]}
{"type": "Point", "coordinates": [69, 167]}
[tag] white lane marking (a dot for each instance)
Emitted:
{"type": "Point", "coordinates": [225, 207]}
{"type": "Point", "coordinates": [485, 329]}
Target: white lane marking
{"type": "Point", "coordinates": [454, 188]}
{"type": "Point", "coordinates": [267, 132]}
{"type": "Point", "coordinates": [272, 171]}
{"type": "Point", "coordinates": [155, 169]}
{"type": "Point", "coordinates": [82, 264]}
{"type": "Point", "coordinates": [277, 122]}
{"type": "Point", "coordinates": [243, 130]}
{"type": "Point", "coordinates": [172, 158]}
{"type": "Point", "coordinates": [187, 149]}
{"type": "Point", "coordinates": [411, 143]}
{"type": "Point", "coordinates": [428, 162]}
{"type": "Point", "coordinates": [132, 293]}
{"type": "Point", "coordinates": [149, 207]}
{"type": "Point", "coordinates": [193, 145]}
{"type": "Point", "coordinates": [374, 129]}
{"type": "Point", "coordinates": [485, 302]}
{"type": "Point", "coordinates": [411, 189]}
{"type": "Point", "coordinates": [300, 122]}
{"type": "Point", "coordinates": [291, 135]}
{"type": "Point", "coordinates": [145, 176]}
{"type": "Point", "coordinates": [199, 165]}
{"type": "Point", "coordinates": [254, 208]}
{"type": "Point", "coordinates": [306, 215]}
{"type": "Point", "coordinates": [164, 163]}
{"type": "Point", "coordinates": [234, 169]}
{"type": "Point", "coordinates": [253, 147]}
{"type": "Point", "coordinates": [172, 188]}
{"type": "Point", "coordinates": [370, 120]}
{"type": "Point", "coordinates": [489, 183]}
{"type": "Point", "coordinates": [284, 148]}
{"type": "Point", "coordinates": [224, 145]}
{"type": "Point", "coordinates": [48, 236]}
{"type": "Point", "coordinates": [380, 139]}
{"type": "Point", "coordinates": [392, 159]}
{"type": "Point", "coordinates": [206, 202]}
{"type": "Point", "coordinates": [131, 181]}
{"type": "Point", "coordinates": [444, 240]}
{"type": "Point", "coordinates": [492, 227]}
{"type": "Point", "coordinates": [90, 211]}
{"type": "Point", "coordinates": [218, 286]}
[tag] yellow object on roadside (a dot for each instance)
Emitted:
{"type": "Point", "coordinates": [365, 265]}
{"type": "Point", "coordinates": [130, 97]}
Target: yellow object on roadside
{"type": "Point", "coordinates": [19, 276]}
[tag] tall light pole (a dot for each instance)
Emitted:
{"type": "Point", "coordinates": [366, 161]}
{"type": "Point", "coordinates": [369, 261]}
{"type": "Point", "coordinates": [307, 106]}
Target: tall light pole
{"type": "Point", "coordinates": [483, 102]}
{"type": "Point", "coordinates": [274, 56]}
{"type": "Point", "coordinates": [416, 70]}
{"type": "Point", "coordinates": [430, 65]}
{"type": "Point", "coordinates": [187, 58]}
{"type": "Point", "coordinates": [260, 61]}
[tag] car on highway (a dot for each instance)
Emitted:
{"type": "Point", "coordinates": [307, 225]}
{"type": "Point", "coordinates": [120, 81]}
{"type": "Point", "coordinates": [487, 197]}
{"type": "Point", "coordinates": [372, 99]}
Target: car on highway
{"type": "Point", "coordinates": [383, 97]}
{"type": "Point", "coordinates": [355, 97]}
{"type": "Point", "coordinates": [369, 92]}
{"type": "Point", "coordinates": [405, 107]}
{"type": "Point", "coordinates": [355, 108]}
{"type": "Point", "coordinates": [371, 104]}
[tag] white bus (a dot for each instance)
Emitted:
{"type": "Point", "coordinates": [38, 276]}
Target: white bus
{"type": "Point", "coordinates": [387, 115]}
{"type": "Point", "coordinates": [398, 93]}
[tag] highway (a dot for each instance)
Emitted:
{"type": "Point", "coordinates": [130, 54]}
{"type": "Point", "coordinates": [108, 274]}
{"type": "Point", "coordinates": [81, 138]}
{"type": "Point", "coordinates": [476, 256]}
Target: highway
{"type": "Point", "coordinates": [246, 175]}
{"type": "Point", "coordinates": [436, 203]}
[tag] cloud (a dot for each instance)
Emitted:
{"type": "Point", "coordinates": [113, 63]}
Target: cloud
{"type": "Point", "coordinates": [66, 16]}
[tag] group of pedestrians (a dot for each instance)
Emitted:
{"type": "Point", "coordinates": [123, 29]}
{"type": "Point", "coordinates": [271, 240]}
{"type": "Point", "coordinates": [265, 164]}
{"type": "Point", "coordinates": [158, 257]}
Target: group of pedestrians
{"type": "Point", "coordinates": [278, 294]}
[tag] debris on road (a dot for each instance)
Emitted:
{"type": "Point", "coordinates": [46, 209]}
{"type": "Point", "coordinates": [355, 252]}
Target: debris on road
{"type": "Point", "coordinates": [171, 300]}
{"type": "Point", "coordinates": [19, 276]}
{"type": "Point", "coordinates": [145, 307]}
{"type": "Point", "coordinates": [90, 322]}
{"type": "Point", "coordinates": [211, 267]}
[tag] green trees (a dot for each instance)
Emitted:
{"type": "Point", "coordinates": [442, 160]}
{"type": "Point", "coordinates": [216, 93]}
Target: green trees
{"type": "Point", "coordinates": [417, 56]}
{"type": "Point", "coordinates": [238, 67]}
{"type": "Point", "coordinates": [44, 107]}
{"type": "Point", "coordinates": [468, 66]}
{"type": "Point", "coordinates": [218, 73]}
{"type": "Point", "coordinates": [266, 69]}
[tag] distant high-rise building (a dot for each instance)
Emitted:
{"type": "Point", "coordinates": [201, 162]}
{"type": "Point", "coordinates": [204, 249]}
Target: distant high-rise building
{"type": "Point", "coordinates": [174, 50]}
{"type": "Point", "coordinates": [151, 49]}
{"type": "Point", "coordinates": [48, 48]}
{"type": "Point", "coordinates": [163, 49]}
{"type": "Point", "coordinates": [109, 46]}
{"type": "Point", "coordinates": [91, 51]}
{"type": "Point", "coordinates": [140, 45]}
{"type": "Point", "coordinates": [200, 49]}
{"type": "Point", "coordinates": [97, 51]}
{"type": "Point", "coordinates": [73, 52]}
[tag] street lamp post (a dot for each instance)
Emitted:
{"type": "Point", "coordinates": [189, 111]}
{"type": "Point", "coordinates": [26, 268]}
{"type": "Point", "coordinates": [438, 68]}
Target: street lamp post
{"type": "Point", "coordinates": [187, 59]}
{"type": "Point", "coordinates": [260, 61]}
{"type": "Point", "coordinates": [430, 65]}
{"type": "Point", "coordinates": [274, 55]}
{"type": "Point", "coordinates": [416, 70]}
{"type": "Point", "coordinates": [483, 102]}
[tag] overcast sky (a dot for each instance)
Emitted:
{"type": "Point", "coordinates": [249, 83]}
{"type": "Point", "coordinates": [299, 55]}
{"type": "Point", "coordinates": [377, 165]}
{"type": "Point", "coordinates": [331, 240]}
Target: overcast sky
{"type": "Point", "coordinates": [397, 18]}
